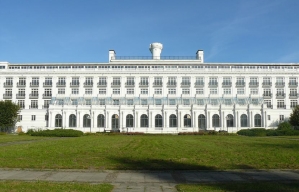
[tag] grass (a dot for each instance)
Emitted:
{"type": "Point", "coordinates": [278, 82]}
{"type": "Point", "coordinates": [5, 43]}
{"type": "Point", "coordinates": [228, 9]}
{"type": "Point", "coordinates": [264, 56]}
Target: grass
{"type": "Point", "coordinates": [11, 186]}
{"type": "Point", "coordinates": [244, 187]}
{"type": "Point", "coordinates": [159, 152]}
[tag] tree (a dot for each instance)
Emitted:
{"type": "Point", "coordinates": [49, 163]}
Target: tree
{"type": "Point", "coordinates": [294, 117]}
{"type": "Point", "coordinates": [8, 115]}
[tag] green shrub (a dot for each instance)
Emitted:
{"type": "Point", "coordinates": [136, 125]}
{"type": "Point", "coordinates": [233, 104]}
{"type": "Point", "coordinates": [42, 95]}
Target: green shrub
{"type": "Point", "coordinates": [58, 133]}
{"type": "Point", "coordinates": [253, 132]}
{"type": "Point", "coordinates": [30, 131]}
{"type": "Point", "coordinates": [2, 133]}
{"type": "Point", "coordinates": [284, 126]}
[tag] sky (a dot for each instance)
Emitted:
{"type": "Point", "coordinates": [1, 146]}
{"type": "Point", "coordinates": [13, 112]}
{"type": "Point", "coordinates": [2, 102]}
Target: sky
{"type": "Point", "coordinates": [229, 31]}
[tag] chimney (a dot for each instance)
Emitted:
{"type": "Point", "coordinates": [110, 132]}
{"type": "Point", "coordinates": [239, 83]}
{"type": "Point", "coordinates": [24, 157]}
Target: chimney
{"type": "Point", "coordinates": [199, 55]}
{"type": "Point", "coordinates": [112, 55]}
{"type": "Point", "coordinates": [156, 49]}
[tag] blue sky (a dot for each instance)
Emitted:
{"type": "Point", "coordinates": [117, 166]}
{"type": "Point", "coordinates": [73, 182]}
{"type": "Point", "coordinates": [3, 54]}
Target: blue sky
{"type": "Point", "coordinates": [33, 31]}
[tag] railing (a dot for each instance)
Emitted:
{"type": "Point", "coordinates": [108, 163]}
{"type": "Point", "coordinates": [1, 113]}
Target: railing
{"type": "Point", "coordinates": [213, 83]}
{"type": "Point", "coordinates": [267, 84]}
{"type": "Point", "coordinates": [253, 83]}
{"type": "Point", "coordinates": [6, 84]}
{"type": "Point", "coordinates": [130, 84]}
{"type": "Point", "coordinates": [60, 84]}
{"type": "Point", "coordinates": [115, 83]}
{"type": "Point", "coordinates": [151, 57]}
{"type": "Point", "coordinates": [21, 84]}
{"type": "Point", "coordinates": [102, 83]}
{"type": "Point", "coordinates": [281, 106]}
{"type": "Point", "coordinates": [74, 84]}
{"type": "Point", "coordinates": [293, 84]}
{"type": "Point", "coordinates": [267, 95]}
{"type": "Point", "coordinates": [34, 84]}
{"type": "Point", "coordinates": [171, 83]}
{"type": "Point", "coordinates": [33, 106]}
{"type": "Point", "coordinates": [157, 83]}
{"type": "Point", "coordinates": [48, 84]}
{"type": "Point", "coordinates": [88, 84]}
{"type": "Point", "coordinates": [240, 84]}
{"type": "Point", "coordinates": [227, 84]}
{"type": "Point", "coordinates": [143, 84]}
{"type": "Point", "coordinates": [185, 84]}
{"type": "Point", "coordinates": [280, 84]}
{"type": "Point", "coordinates": [7, 96]}
{"type": "Point", "coordinates": [199, 83]}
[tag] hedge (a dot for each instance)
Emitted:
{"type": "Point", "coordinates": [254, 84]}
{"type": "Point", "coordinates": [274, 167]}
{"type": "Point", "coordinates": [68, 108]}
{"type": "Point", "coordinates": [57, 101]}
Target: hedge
{"type": "Point", "coordinates": [56, 133]}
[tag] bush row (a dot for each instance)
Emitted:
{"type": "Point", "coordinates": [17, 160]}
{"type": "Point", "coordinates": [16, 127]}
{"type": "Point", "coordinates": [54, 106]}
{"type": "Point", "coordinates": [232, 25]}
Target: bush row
{"type": "Point", "coordinates": [56, 133]}
{"type": "Point", "coordinates": [267, 132]}
{"type": "Point", "coordinates": [206, 133]}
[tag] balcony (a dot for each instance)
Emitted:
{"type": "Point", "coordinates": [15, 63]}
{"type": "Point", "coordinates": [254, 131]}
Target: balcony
{"type": "Point", "coordinates": [267, 95]}
{"type": "Point", "coordinates": [213, 84]}
{"type": "Point", "coordinates": [279, 84]}
{"type": "Point", "coordinates": [269, 106]}
{"type": "Point", "coordinates": [226, 84]}
{"type": "Point", "coordinates": [33, 96]}
{"type": "Point", "coordinates": [47, 96]}
{"type": "Point", "coordinates": [47, 84]}
{"type": "Point", "coordinates": [280, 96]}
{"type": "Point", "coordinates": [21, 84]}
{"type": "Point", "coordinates": [293, 95]}
{"type": "Point", "coordinates": [45, 106]}
{"type": "Point", "coordinates": [185, 84]}
{"type": "Point", "coordinates": [253, 84]}
{"type": "Point", "coordinates": [281, 106]}
{"type": "Point", "coordinates": [293, 84]}
{"type": "Point", "coordinates": [35, 84]}
{"type": "Point", "coordinates": [267, 84]}
{"type": "Point", "coordinates": [102, 84]}
{"type": "Point", "coordinates": [130, 84]}
{"type": "Point", "coordinates": [7, 84]}
{"type": "Point", "coordinates": [74, 84]}
{"type": "Point", "coordinates": [20, 96]}
{"type": "Point", "coordinates": [240, 84]}
{"type": "Point", "coordinates": [7, 96]}
{"type": "Point", "coordinates": [199, 84]}
{"type": "Point", "coordinates": [171, 84]}
{"type": "Point", "coordinates": [61, 84]}
{"type": "Point", "coordinates": [143, 84]}
{"type": "Point", "coordinates": [88, 84]}
{"type": "Point", "coordinates": [158, 84]}
{"type": "Point", "coordinates": [116, 84]}
{"type": "Point", "coordinates": [33, 106]}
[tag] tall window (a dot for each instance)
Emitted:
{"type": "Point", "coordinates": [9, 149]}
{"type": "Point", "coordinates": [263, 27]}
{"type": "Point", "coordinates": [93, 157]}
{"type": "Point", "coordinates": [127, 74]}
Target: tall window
{"type": "Point", "coordinates": [158, 121]}
{"type": "Point", "coordinates": [172, 121]}
{"type": "Point", "coordinates": [201, 121]}
{"type": "Point", "coordinates": [213, 81]}
{"type": "Point", "coordinates": [101, 120]}
{"type": "Point", "coordinates": [215, 120]}
{"type": "Point", "coordinates": [102, 81]}
{"type": "Point", "coordinates": [144, 121]}
{"type": "Point", "coordinates": [185, 81]}
{"type": "Point", "coordinates": [35, 81]}
{"type": "Point", "coordinates": [129, 121]}
{"type": "Point", "coordinates": [130, 81]}
{"type": "Point", "coordinates": [158, 81]}
{"type": "Point", "coordinates": [171, 81]}
{"type": "Point", "coordinates": [244, 120]}
{"type": "Point", "coordinates": [115, 121]}
{"type": "Point", "coordinates": [229, 120]}
{"type": "Point", "coordinates": [86, 120]}
{"type": "Point", "coordinates": [88, 81]}
{"type": "Point", "coordinates": [48, 81]}
{"type": "Point", "coordinates": [144, 81]}
{"type": "Point", "coordinates": [187, 120]}
{"type": "Point", "coordinates": [72, 121]}
{"type": "Point", "coordinates": [75, 81]}
{"type": "Point", "coordinates": [199, 81]}
{"type": "Point", "coordinates": [158, 91]}
{"type": "Point", "coordinates": [257, 120]}
{"type": "Point", "coordinates": [58, 120]}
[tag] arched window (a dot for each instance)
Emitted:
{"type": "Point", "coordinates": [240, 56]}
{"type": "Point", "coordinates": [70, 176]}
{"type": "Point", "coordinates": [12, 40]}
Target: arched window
{"type": "Point", "coordinates": [201, 121]}
{"type": "Point", "coordinates": [86, 120]}
{"type": "Point", "coordinates": [229, 120]}
{"type": "Point", "coordinates": [244, 120]}
{"type": "Point", "coordinates": [58, 120]}
{"type": "Point", "coordinates": [129, 121]}
{"type": "Point", "coordinates": [101, 120]}
{"type": "Point", "coordinates": [257, 120]}
{"type": "Point", "coordinates": [143, 121]}
{"type": "Point", "coordinates": [72, 120]}
{"type": "Point", "coordinates": [158, 121]}
{"type": "Point", "coordinates": [115, 121]}
{"type": "Point", "coordinates": [187, 120]}
{"type": "Point", "coordinates": [172, 121]}
{"type": "Point", "coordinates": [215, 120]}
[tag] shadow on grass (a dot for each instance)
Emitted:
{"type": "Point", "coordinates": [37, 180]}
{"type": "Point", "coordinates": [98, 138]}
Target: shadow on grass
{"type": "Point", "coordinates": [155, 164]}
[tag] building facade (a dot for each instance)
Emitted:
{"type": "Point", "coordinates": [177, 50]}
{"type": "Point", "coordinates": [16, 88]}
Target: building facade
{"type": "Point", "coordinates": [151, 94]}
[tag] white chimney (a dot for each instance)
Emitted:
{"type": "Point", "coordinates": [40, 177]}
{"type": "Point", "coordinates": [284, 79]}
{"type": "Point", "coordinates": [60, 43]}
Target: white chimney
{"type": "Point", "coordinates": [199, 55]}
{"type": "Point", "coordinates": [156, 49]}
{"type": "Point", "coordinates": [112, 55]}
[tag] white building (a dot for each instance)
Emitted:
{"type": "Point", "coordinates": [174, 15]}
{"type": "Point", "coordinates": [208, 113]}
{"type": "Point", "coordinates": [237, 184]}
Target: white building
{"type": "Point", "coordinates": [155, 95]}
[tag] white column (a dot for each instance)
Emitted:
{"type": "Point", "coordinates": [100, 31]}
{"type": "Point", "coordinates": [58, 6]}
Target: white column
{"type": "Point", "coordinates": [137, 124]}
{"type": "Point", "coordinates": [107, 120]}
{"type": "Point", "coordinates": [266, 119]}
{"type": "Point", "coordinates": [121, 120]}
{"type": "Point", "coordinates": [251, 119]}
{"type": "Point", "coordinates": [50, 119]}
{"type": "Point", "coordinates": [208, 120]}
{"type": "Point", "coordinates": [165, 121]}
{"type": "Point", "coordinates": [223, 120]}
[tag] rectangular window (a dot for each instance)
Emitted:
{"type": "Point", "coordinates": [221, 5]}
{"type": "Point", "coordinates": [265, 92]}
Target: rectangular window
{"type": "Point", "coordinates": [21, 92]}
{"type": "Point", "coordinates": [292, 81]}
{"type": "Point", "coordinates": [186, 102]}
{"type": "Point", "coordinates": [158, 91]}
{"type": "Point", "coordinates": [158, 102]}
{"type": "Point", "coordinates": [143, 101]}
{"type": "Point", "coordinates": [88, 81]}
{"type": "Point", "coordinates": [171, 91]}
{"type": "Point", "coordinates": [199, 91]}
{"type": "Point", "coordinates": [226, 81]}
{"type": "Point", "coordinates": [144, 81]}
{"type": "Point", "coordinates": [279, 81]}
{"type": "Point", "coordinates": [158, 81]}
{"type": "Point", "coordinates": [240, 81]}
{"type": "Point", "coordinates": [75, 81]}
{"type": "Point", "coordinates": [269, 117]}
{"type": "Point", "coordinates": [227, 101]}
{"type": "Point", "coordinates": [33, 117]}
{"type": "Point", "coordinates": [35, 81]}
{"type": "Point", "coordinates": [61, 81]}
{"type": "Point", "coordinates": [130, 102]}
{"type": "Point", "coordinates": [281, 117]}
{"type": "Point", "coordinates": [34, 92]}
{"type": "Point", "coordinates": [87, 101]}
{"type": "Point", "coordinates": [267, 92]}
{"type": "Point", "coordinates": [22, 81]}
{"type": "Point", "coordinates": [116, 81]}
{"type": "Point", "coordinates": [102, 101]}
{"type": "Point", "coordinates": [213, 81]}
{"type": "Point", "coordinates": [172, 102]}
{"type": "Point", "coordinates": [280, 92]}
{"type": "Point", "coordinates": [293, 92]}
{"type": "Point", "coordinates": [46, 117]}
{"type": "Point", "coordinates": [21, 103]}
{"type": "Point", "coordinates": [48, 93]}
{"type": "Point", "coordinates": [48, 81]}
{"type": "Point", "coordinates": [116, 91]}
{"type": "Point", "coordinates": [199, 81]}
{"type": "Point", "coordinates": [88, 91]}
{"type": "Point", "coordinates": [130, 81]}
{"type": "Point", "coordinates": [253, 81]}
{"type": "Point", "coordinates": [19, 118]}
{"type": "Point", "coordinates": [8, 81]}
{"type": "Point", "coordinates": [75, 91]}
{"type": "Point", "coordinates": [115, 101]}
{"type": "Point", "coordinates": [8, 92]}
{"type": "Point", "coordinates": [186, 91]}
{"type": "Point", "coordinates": [213, 91]}
{"type": "Point", "coordinates": [130, 91]}
{"type": "Point", "coordinates": [227, 91]}
{"type": "Point", "coordinates": [61, 91]}
{"type": "Point", "coordinates": [268, 103]}
{"type": "Point", "coordinates": [294, 103]}
{"type": "Point", "coordinates": [240, 91]}
{"type": "Point", "coordinates": [102, 81]}
{"type": "Point", "coordinates": [102, 91]}
{"type": "Point", "coordinates": [254, 91]}
{"type": "Point", "coordinates": [144, 91]}
{"type": "Point", "coordinates": [280, 104]}
{"type": "Point", "coordinates": [171, 81]}
{"type": "Point", "coordinates": [46, 103]}
{"type": "Point", "coordinates": [34, 104]}
{"type": "Point", "coordinates": [186, 81]}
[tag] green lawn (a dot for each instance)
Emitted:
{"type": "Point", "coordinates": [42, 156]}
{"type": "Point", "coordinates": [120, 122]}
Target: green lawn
{"type": "Point", "coordinates": [149, 152]}
{"type": "Point", "coordinates": [51, 186]}
{"type": "Point", "coordinates": [244, 187]}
